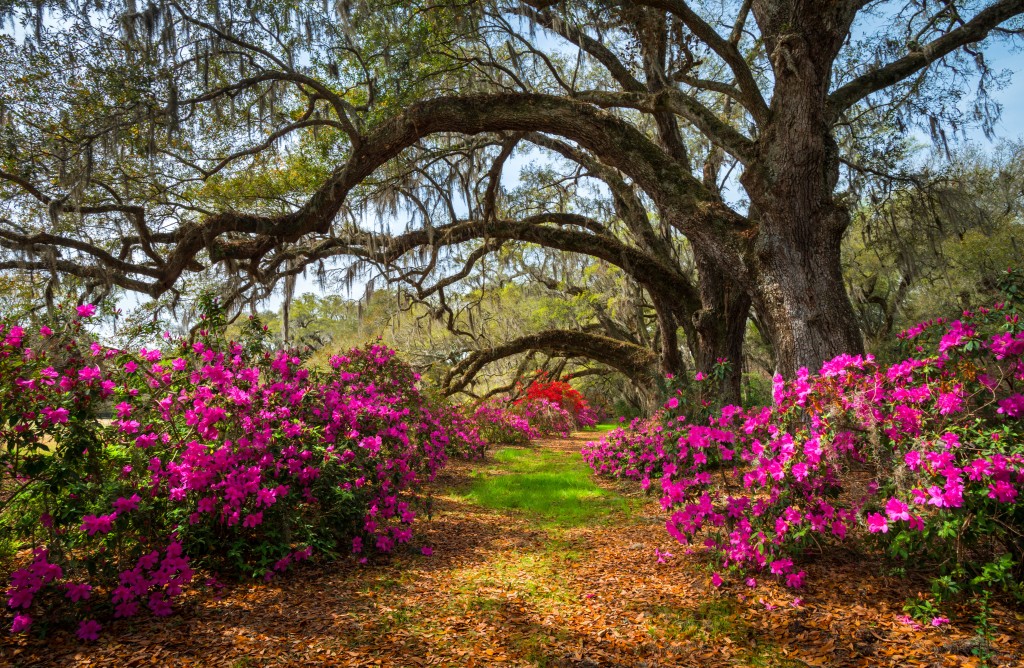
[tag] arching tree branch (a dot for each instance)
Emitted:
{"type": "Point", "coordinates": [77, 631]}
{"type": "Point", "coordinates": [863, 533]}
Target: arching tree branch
{"type": "Point", "coordinates": [974, 30]}
{"type": "Point", "coordinates": [634, 361]}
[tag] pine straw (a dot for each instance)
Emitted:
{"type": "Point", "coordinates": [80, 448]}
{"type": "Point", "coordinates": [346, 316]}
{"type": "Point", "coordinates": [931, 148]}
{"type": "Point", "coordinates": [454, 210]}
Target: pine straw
{"type": "Point", "coordinates": [500, 590]}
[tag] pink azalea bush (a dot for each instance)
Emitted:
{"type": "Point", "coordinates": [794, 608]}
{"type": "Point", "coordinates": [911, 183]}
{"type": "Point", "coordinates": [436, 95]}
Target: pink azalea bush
{"type": "Point", "coordinates": [923, 456]}
{"type": "Point", "coordinates": [461, 435]}
{"type": "Point", "coordinates": [518, 423]}
{"type": "Point", "coordinates": [213, 454]}
{"type": "Point", "coordinates": [499, 425]}
{"type": "Point", "coordinates": [546, 417]}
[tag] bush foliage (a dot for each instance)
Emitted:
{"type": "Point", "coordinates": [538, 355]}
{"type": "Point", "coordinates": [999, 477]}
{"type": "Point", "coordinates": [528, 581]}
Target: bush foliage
{"type": "Point", "coordinates": [925, 457]}
{"type": "Point", "coordinates": [125, 471]}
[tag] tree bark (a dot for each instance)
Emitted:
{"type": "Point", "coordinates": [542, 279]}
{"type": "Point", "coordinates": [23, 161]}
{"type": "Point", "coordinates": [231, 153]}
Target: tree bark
{"type": "Point", "coordinates": [720, 328]}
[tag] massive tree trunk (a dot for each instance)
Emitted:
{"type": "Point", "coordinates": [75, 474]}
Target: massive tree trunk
{"type": "Point", "coordinates": [798, 288]}
{"type": "Point", "coordinates": [799, 291]}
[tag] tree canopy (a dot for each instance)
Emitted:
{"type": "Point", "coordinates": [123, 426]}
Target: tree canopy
{"type": "Point", "coordinates": [712, 152]}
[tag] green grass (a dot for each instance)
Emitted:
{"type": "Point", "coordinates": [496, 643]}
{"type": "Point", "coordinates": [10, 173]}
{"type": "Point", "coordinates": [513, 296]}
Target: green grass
{"type": "Point", "coordinates": [550, 487]}
{"type": "Point", "coordinates": [602, 428]}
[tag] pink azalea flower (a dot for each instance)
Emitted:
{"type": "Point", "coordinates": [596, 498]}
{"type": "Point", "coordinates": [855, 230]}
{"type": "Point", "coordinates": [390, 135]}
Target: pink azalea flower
{"type": "Point", "coordinates": [897, 510]}
{"type": "Point", "coordinates": [427, 550]}
{"type": "Point", "coordinates": [877, 523]}
{"type": "Point", "coordinates": [86, 310]}
{"type": "Point", "coordinates": [716, 579]}
{"type": "Point", "coordinates": [1002, 491]}
{"type": "Point", "coordinates": [102, 524]}
{"type": "Point", "coordinates": [950, 402]}
{"type": "Point", "coordinates": [123, 505]}
{"type": "Point", "coordinates": [89, 630]}
{"type": "Point", "coordinates": [78, 591]}
{"type": "Point", "coordinates": [159, 605]}
{"type": "Point", "coordinates": [21, 597]}
{"type": "Point", "coordinates": [126, 609]}
{"type": "Point", "coordinates": [21, 623]}
{"type": "Point", "coordinates": [1012, 406]}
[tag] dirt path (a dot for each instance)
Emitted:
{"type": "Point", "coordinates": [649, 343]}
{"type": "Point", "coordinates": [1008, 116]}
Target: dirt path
{"type": "Point", "coordinates": [577, 585]}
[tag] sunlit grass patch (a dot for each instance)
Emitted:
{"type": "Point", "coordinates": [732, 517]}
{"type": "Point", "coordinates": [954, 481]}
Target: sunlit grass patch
{"type": "Point", "coordinates": [554, 488]}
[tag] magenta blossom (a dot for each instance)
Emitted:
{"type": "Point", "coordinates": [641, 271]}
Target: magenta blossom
{"type": "Point", "coordinates": [21, 623]}
{"type": "Point", "coordinates": [123, 505]}
{"type": "Point", "coordinates": [877, 523]}
{"type": "Point", "coordinates": [897, 510]}
{"type": "Point", "coordinates": [78, 591]}
{"type": "Point", "coordinates": [92, 524]}
{"type": "Point", "coordinates": [89, 630]}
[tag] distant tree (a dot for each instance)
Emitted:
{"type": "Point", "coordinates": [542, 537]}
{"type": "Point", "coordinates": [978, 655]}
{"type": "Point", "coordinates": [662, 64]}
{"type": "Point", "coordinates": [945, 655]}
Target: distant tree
{"type": "Point", "coordinates": [936, 243]}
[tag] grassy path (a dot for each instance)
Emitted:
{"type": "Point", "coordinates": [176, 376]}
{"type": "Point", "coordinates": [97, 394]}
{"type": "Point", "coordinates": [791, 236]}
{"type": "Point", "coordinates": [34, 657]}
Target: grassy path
{"type": "Point", "coordinates": [534, 564]}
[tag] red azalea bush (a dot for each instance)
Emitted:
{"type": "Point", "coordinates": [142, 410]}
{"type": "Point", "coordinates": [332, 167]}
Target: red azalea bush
{"type": "Point", "coordinates": [542, 392]}
{"type": "Point", "coordinates": [561, 394]}
{"type": "Point", "coordinates": [547, 408]}
{"type": "Point", "coordinates": [557, 392]}
{"type": "Point", "coordinates": [216, 454]}
{"type": "Point", "coordinates": [925, 454]}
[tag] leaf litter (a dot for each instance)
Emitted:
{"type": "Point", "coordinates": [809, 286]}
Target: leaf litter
{"type": "Point", "coordinates": [504, 588]}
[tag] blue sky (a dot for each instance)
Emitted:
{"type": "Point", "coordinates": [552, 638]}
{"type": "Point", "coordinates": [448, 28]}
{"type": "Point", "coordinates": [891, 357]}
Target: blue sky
{"type": "Point", "coordinates": [1011, 124]}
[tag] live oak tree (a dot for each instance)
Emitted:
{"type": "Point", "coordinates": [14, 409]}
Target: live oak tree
{"type": "Point", "coordinates": [257, 138]}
